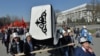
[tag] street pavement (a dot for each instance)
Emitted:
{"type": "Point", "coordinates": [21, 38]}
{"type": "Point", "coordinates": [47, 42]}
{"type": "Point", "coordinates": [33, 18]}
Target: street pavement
{"type": "Point", "coordinates": [96, 46]}
{"type": "Point", "coordinates": [3, 50]}
{"type": "Point", "coordinates": [89, 26]}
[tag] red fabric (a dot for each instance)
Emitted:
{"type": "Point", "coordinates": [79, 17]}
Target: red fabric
{"type": "Point", "coordinates": [17, 23]}
{"type": "Point", "coordinates": [24, 24]}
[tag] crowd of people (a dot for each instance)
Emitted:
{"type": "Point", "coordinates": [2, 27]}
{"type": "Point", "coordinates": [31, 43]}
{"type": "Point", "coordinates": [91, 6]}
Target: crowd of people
{"type": "Point", "coordinates": [83, 38]}
{"type": "Point", "coordinates": [15, 43]}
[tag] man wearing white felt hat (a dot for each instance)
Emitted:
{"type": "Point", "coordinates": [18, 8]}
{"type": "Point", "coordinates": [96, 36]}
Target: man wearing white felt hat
{"type": "Point", "coordinates": [16, 45]}
{"type": "Point", "coordinates": [28, 45]}
{"type": "Point", "coordinates": [85, 49]}
{"type": "Point", "coordinates": [84, 32]}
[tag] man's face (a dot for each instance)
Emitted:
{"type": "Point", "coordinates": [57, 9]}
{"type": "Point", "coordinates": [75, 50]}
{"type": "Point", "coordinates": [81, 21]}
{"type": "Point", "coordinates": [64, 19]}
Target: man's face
{"type": "Point", "coordinates": [86, 45]}
{"type": "Point", "coordinates": [28, 38]}
{"type": "Point", "coordinates": [16, 39]}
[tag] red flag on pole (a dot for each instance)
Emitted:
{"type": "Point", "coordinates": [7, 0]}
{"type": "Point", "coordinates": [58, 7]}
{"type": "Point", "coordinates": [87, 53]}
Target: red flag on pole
{"type": "Point", "coordinates": [23, 23]}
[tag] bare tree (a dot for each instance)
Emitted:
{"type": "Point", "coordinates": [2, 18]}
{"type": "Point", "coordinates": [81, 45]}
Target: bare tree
{"type": "Point", "coordinates": [6, 20]}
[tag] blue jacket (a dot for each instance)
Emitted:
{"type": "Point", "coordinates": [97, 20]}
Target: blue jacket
{"type": "Point", "coordinates": [90, 38]}
{"type": "Point", "coordinates": [79, 52]}
{"type": "Point", "coordinates": [84, 33]}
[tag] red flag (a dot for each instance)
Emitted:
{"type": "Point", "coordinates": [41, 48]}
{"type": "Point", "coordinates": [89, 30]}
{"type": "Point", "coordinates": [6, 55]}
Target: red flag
{"type": "Point", "coordinates": [23, 23]}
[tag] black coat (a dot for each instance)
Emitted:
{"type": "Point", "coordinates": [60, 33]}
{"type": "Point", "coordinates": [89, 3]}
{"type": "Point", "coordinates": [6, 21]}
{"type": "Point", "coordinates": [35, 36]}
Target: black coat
{"type": "Point", "coordinates": [13, 48]}
{"type": "Point", "coordinates": [66, 40]}
{"type": "Point", "coordinates": [27, 48]}
{"type": "Point", "coordinates": [6, 40]}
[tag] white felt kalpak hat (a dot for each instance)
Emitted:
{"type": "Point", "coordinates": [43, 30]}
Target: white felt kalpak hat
{"type": "Point", "coordinates": [15, 35]}
{"type": "Point", "coordinates": [83, 39]}
{"type": "Point", "coordinates": [28, 34]}
{"type": "Point", "coordinates": [84, 26]}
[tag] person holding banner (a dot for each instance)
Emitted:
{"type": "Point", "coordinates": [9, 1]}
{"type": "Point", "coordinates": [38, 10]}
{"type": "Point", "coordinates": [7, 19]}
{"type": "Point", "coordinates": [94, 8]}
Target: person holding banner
{"type": "Point", "coordinates": [28, 45]}
{"type": "Point", "coordinates": [16, 45]}
{"type": "Point", "coordinates": [66, 39]}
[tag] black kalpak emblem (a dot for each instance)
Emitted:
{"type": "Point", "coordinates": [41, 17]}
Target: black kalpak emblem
{"type": "Point", "coordinates": [41, 22]}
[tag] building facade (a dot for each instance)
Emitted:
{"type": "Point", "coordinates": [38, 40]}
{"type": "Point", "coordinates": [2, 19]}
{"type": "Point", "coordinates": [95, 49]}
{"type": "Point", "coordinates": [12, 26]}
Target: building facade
{"type": "Point", "coordinates": [78, 12]}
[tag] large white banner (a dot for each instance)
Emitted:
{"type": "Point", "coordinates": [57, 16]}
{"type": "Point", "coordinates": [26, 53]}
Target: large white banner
{"type": "Point", "coordinates": [41, 25]}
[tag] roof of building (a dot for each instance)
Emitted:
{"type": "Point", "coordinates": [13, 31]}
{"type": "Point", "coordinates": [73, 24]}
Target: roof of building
{"type": "Point", "coordinates": [74, 8]}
